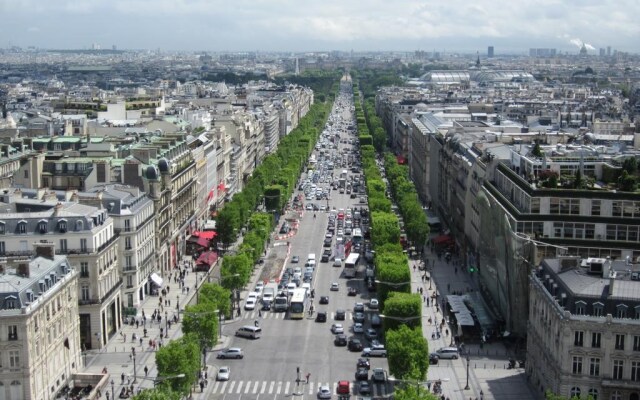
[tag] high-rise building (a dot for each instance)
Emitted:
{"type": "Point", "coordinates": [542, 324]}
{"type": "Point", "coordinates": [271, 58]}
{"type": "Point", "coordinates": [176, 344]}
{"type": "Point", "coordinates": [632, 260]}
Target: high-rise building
{"type": "Point", "coordinates": [490, 52]}
{"type": "Point", "coordinates": [602, 52]}
{"type": "Point", "coordinates": [608, 51]}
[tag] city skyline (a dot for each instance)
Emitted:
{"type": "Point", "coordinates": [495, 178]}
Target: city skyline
{"type": "Point", "coordinates": [199, 25]}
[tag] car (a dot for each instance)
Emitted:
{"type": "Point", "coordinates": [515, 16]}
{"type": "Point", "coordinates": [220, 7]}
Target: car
{"type": "Point", "coordinates": [321, 316]}
{"type": "Point", "coordinates": [374, 351]}
{"type": "Point", "coordinates": [324, 299]}
{"type": "Point", "coordinates": [363, 200]}
{"type": "Point", "coordinates": [223, 374]}
{"type": "Point", "coordinates": [259, 287]}
{"type": "Point", "coordinates": [337, 262]}
{"type": "Point", "coordinates": [295, 259]}
{"type": "Point", "coordinates": [352, 291]}
{"type": "Point", "coordinates": [365, 388]}
{"type": "Point", "coordinates": [324, 392]}
{"type": "Point", "coordinates": [358, 307]}
{"type": "Point", "coordinates": [250, 304]}
{"type": "Point", "coordinates": [327, 242]}
{"type": "Point", "coordinates": [450, 353]}
{"type": "Point", "coordinates": [309, 207]}
{"type": "Point", "coordinates": [355, 344]}
{"type": "Point", "coordinates": [337, 328]}
{"type": "Point", "coordinates": [340, 340]}
{"type": "Point", "coordinates": [363, 363]}
{"type": "Point", "coordinates": [379, 375]}
{"type": "Point", "coordinates": [335, 287]}
{"type": "Point", "coordinates": [266, 305]}
{"type": "Point", "coordinates": [374, 304]}
{"type": "Point", "coordinates": [362, 374]}
{"type": "Point", "coordinates": [343, 387]}
{"type": "Point", "coordinates": [340, 315]}
{"type": "Point", "coordinates": [433, 358]}
{"type": "Point", "coordinates": [376, 321]}
{"type": "Point", "coordinates": [358, 327]}
{"type": "Point", "coordinates": [371, 334]}
{"type": "Point", "coordinates": [358, 317]}
{"type": "Point", "coordinates": [231, 352]}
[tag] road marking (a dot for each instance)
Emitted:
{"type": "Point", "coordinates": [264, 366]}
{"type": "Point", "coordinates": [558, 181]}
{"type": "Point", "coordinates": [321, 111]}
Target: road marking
{"type": "Point", "coordinates": [279, 388]}
{"type": "Point", "coordinates": [246, 390]}
{"type": "Point", "coordinates": [215, 387]}
{"type": "Point", "coordinates": [286, 388]}
{"type": "Point", "coordinates": [264, 386]}
{"type": "Point", "coordinates": [310, 387]}
{"type": "Point", "coordinates": [239, 387]}
{"type": "Point", "coordinates": [271, 387]}
{"type": "Point", "coordinates": [231, 385]}
{"type": "Point", "coordinates": [335, 387]}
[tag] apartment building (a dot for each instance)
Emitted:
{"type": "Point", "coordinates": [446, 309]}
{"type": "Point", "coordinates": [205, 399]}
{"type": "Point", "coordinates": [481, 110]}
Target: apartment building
{"type": "Point", "coordinates": [40, 344]}
{"type": "Point", "coordinates": [87, 237]}
{"type": "Point", "coordinates": [584, 328]}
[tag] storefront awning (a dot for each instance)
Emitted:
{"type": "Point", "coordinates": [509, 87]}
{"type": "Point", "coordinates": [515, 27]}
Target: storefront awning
{"type": "Point", "coordinates": [205, 234]}
{"type": "Point", "coordinates": [156, 279]}
{"type": "Point", "coordinates": [207, 258]}
{"type": "Point", "coordinates": [442, 239]}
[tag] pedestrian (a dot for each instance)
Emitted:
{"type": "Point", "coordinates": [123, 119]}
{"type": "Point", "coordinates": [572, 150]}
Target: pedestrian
{"type": "Point", "coordinates": [137, 323]}
{"type": "Point", "coordinates": [414, 268]}
{"type": "Point", "coordinates": [260, 313]}
{"type": "Point", "coordinates": [308, 376]}
{"type": "Point", "coordinates": [146, 370]}
{"type": "Point", "coordinates": [255, 323]}
{"type": "Point", "coordinates": [122, 377]}
{"type": "Point", "coordinates": [201, 386]}
{"type": "Point", "coordinates": [124, 337]}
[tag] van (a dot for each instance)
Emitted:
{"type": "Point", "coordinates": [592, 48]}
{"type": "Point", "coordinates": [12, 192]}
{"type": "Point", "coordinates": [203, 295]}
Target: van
{"type": "Point", "coordinates": [311, 256]}
{"type": "Point", "coordinates": [250, 332]}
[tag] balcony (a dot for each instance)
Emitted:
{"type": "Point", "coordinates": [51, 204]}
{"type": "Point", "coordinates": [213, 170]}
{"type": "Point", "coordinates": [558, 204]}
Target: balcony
{"type": "Point", "coordinates": [115, 287]}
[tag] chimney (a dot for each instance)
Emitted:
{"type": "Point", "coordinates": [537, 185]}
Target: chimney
{"type": "Point", "coordinates": [612, 277]}
{"type": "Point", "coordinates": [40, 193]}
{"type": "Point", "coordinates": [57, 209]}
{"type": "Point", "coordinates": [44, 250]}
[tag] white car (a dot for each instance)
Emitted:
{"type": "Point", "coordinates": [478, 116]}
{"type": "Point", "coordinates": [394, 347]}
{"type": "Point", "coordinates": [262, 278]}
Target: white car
{"type": "Point", "coordinates": [373, 304]}
{"type": "Point", "coordinates": [250, 304]}
{"type": "Point", "coordinates": [259, 287]}
{"type": "Point", "coordinates": [337, 328]}
{"type": "Point", "coordinates": [223, 374]}
{"type": "Point", "coordinates": [324, 392]}
{"type": "Point", "coordinates": [358, 327]}
{"type": "Point", "coordinates": [335, 287]}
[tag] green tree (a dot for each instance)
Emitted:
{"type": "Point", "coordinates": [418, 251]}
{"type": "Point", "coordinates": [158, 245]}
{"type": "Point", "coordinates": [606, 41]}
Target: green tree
{"type": "Point", "coordinates": [201, 320]}
{"type": "Point", "coordinates": [402, 309]}
{"type": "Point", "coordinates": [384, 228]}
{"type": "Point", "coordinates": [411, 391]}
{"type": "Point", "coordinates": [536, 151]}
{"type": "Point", "coordinates": [549, 395]}
{"type": "Point", "coordinates": [227, 224]}
{"type": "Point", "coordinates": [161, 393]}
{"type": "Point", "coordinates": [180, 356]}
{"type": "Point", "coordinates": [578, 182]}
{"type": "Point", "coordinates": [407, 353]}
{"type": "Point", "coordinates": [627, 182]}
{"type": "Point", "coordinates": [216, 294]}
{"type": "Point", "coordinates": [630, 165]}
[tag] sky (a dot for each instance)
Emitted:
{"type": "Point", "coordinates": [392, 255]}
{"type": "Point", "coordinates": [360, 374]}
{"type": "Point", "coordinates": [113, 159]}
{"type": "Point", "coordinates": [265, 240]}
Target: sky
{"type": "Point", "coordinates": [511, 26]}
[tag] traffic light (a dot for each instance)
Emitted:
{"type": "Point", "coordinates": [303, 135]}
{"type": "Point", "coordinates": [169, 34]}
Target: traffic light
{"type": "Point", "coordinates": [472, 269]}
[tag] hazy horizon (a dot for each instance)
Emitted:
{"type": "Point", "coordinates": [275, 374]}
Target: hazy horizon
{"type": "Point", "coordinates": [287, 25]}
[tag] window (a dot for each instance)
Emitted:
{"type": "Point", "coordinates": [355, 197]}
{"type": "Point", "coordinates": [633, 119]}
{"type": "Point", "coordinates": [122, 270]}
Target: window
{"type": "Point", "coordinates": [616, 209]}
{"type": "Point", "coordinates": [63, 245]}
{"type": "Point", "coordinates": [578, 338]}
{"type": "Point", "coordinates": [577, 365]}
{"type": "Point", "coordinates": [616, 395]}
{"type": "Point", "coordinates": [3, 248]}
{"type": "Point", "coordinates": [593, 394]}
{"type": "Point", "coordinates": [79, 225]}
{"type": "Point", "coordinates": [635, 371]}
{"type": "Point", "coordinates": [84, 269]}
{"type": "Point", "coordinates": [127, 225]}
{"type": "Point", "coordinates": [636, 343]}
{"type": "Point", "coordinates": [14, 358]}
{"type": "Point", "coordinates": [13, 332]}
{"type": "Point", "coordinates": [127, 243]}
{"type": "Point", "coordinates": [85, 293]}
{"type": "Point", "coordinates": [596, 338]}
{"type": "Point", "coordinates": [598, 309]}
{"type": "Point", "coordinates": [619, 342]}
{"type": "Point", "coordinates": [2, 229]}
{"type": "Point", "coordinates": [621, 310]}
{"type": "Point", "coordinates": [62, 226]}
{"type": "Point", "coordinates": [580, 307]}
{"type": "Point", "coordinates": [618, 369]}
{"type": "Point", "coordinates": [574, 392]}
{"type": "Point", "coordinates": [589, 231]}
{"type": "Point", "coordinates": [595, 207]}
{"type": "Point", "coordinates": [42, 227]}
{"type": "Point", "coordinates": [22, 227]}
{"type": "Point", "coordinates": [83, 244]}
{"type": "Point", "coordinates": [594, 366]}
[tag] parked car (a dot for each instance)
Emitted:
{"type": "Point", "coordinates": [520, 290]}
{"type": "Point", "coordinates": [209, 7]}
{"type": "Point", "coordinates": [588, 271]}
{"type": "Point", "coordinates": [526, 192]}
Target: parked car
{"type": "Point", "coordinates": [373, 304]}
{"type": "Point", "coordinates": [355, 344]}
{"type": "Point", "coordinates": [374, 351]}
{"type": "Point", "coordinates": [358, 327]}
{"type": "Point", "coordinates": [352, 291]}
{"type": "Point", "coordinates": [295, 259]}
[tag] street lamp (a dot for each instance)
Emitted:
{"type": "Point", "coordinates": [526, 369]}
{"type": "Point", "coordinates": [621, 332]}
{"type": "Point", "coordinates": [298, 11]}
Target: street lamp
{"type": "Point", "coordinates": [113, 393]}
{"type": "Point", "coordinates": [133, 355]}
{"type": "Point", "coordinates": [401, 319]}
{"type": "Point", "coordinates": [178, 305]}
{"type": "Point", "coordinates": [166, 324]}
{"type": "Point", "coordinates": [162, 379]}
{"type": "Point", "coordinates": [467, 386]}
{"type": "Point", "coordinates": [393, 284]}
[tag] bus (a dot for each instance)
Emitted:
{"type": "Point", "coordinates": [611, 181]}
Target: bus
{"type": "Point", "coordinates": [350, 265]}
{"type": "Point", "coordinates": [356, 235]}
{"type": "Point", "coordinates": [298, 303]}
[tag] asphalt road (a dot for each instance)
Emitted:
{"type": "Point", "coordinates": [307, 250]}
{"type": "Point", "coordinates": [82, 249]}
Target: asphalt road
{"type": "Point", "coordinates": [269, 368]}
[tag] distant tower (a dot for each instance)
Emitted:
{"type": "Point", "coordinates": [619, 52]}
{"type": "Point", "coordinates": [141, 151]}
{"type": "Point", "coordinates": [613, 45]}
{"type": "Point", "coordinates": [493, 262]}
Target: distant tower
{"type": "Point", "coordinates": [478, 61]}
{"type": "Point", "coordinates": [583, 50]}
{"type": "Point", "coordinates": [490, 52]}
{"type": "Point", "coordinates": [608, 51]}
{"type": "Point", "coordinates": [297, 67]}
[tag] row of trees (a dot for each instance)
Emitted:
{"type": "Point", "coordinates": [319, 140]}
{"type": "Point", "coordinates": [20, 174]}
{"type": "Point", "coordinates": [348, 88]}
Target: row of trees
{"type": "Point", "coordinates": [407, 348]}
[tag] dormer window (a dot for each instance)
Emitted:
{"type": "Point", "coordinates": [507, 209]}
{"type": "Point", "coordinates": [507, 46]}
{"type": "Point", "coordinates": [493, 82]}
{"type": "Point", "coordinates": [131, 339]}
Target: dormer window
{"type": "Point", "coordinates": [598, 309]}
{"type": "Point", "coordinates": [621, 310]}
{"type": "Point", "coordinates": [22, 227]}
{"type": "Point", "coordinates": [79, 225]}
{"type": "Point", "coordinates": [42, 227]}
{"type": "Point", "coordinates": [580, 307]}
{"type": "Point", "coordinates": [62, 226]}
{"type": "Point", "coordinates": [10, 302]}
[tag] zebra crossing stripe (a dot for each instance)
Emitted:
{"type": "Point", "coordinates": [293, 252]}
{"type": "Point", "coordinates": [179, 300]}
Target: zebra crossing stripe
{"type": "Point", "coordinates": [240, 387]}
{"type": "Point", "coordinates": [279, 388]}
{"type": "Point", "coordinates": [264, 386]}
{"type": "Point", "coordinates": [286, 387]}
{"type": "Point", "coordinates": [215, 386]}
{"type": "Point", "coordinates": [246, 390]}
{"type": "Point", "coordinates": [271, 387]}
{"type": "Point", "coordinates": [310, 387]}
{"type": "Point", "coordinates": [255, 387]}
{"type": "Point", "coordinates": [231, 385]}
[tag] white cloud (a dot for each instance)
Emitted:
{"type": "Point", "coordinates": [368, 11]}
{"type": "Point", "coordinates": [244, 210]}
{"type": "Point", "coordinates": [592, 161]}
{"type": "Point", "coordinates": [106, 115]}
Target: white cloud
{"type": "Point", "coordinates": [283, 24]}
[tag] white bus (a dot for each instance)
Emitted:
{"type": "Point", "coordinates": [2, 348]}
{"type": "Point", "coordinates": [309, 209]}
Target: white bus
{"type": "Point", "coordinates": [298, 303]}
{"type": "Point", "coordinates": [356, 235]}
{"type": "Point", "coordinates": [350, 265]}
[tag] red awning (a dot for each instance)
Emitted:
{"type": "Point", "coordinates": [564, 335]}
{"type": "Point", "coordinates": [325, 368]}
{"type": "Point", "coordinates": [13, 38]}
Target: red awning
{"type": "Point", "coordinates": [202, 242]}
{"type": "Point", "coordinates": [205, 234]}
{"type": "Point", "coordinates": [208, 258]}
{"type": "Point", "coordinates": [401, 160]}
{"type": "Point", "coordinates": [442, 239]}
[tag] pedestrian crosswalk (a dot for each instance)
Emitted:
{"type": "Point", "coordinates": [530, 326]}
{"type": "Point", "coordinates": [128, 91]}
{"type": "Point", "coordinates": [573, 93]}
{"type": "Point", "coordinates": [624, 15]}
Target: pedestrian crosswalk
{"type": "Point", "coordinates": [284, 387]}
{"type": "Point", "coordinates": [283, 315]}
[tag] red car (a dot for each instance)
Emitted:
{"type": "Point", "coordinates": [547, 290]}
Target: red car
{"type": "Point", "coordinates": [343, 387]}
